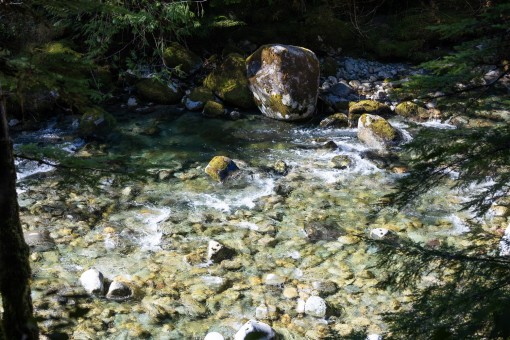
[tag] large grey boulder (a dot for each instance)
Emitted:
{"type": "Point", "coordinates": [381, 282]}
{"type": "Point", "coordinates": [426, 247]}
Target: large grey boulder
{"type": "Point", "coordinates": [284, 80]}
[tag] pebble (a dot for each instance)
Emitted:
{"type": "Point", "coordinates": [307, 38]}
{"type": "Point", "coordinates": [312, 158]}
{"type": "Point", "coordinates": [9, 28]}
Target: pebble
{"type": "Point", "coordinates": [290, 292]}
{"type": "Point", "coordinates": [274, 279]}
{"type": "Point", "coordinates": [217, 252]}
{"type": "Point", "coordinates": [315, 306]}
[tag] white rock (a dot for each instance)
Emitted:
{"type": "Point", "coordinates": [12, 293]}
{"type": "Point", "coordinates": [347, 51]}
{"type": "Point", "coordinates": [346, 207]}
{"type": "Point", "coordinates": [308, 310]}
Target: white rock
{"type": "Point", "coordinates": [274, 279]}
{"type": "Point", "coordinates": [374, 337]}
{"type": "Point", "coordinates": [315, 306]}
{"type": "Point", "coordinates": [300, 308]}
{"type": "Point", "coordinates": [92, 281]}
{"type": "Point", "coordinates": [132, 102]}
{"type": "Point", "coordinates": [261, 312]}
{"type": "Point", "coordinates": [379, 233]}
{"type": "Point", "coordinates": [255, 329]}
{"type": "Point", "coordinates": [214, 336]}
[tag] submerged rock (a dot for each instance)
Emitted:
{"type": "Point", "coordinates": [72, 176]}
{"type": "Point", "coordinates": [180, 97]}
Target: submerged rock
{"type": "Point", "coordinates": [341, 162]}
{"type": "Point", "coordinates": [315, 306]}
{"type": "Point", "coordinates": [319, 231]}
{"type": "Point", "coordinates": [284, 81]}
{"type": "Point", "coordinates": [376, 132]}
{"type": "Point", "coordinates": [337, 120]}
{"type": "Point", "coordinates": [93, 281]}
{"type": "Point", "coordinates": [255, 330]}
{"type": "Point", "coordinates": [230, 83]}
{"type": "Point", "coordinates": [280, 167]}
{"type": "Point", "coordinates": [220, 168]}
{"type": "Point", "coordinates": [39, 241]}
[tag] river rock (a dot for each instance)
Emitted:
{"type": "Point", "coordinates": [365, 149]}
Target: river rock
{"type": "Point", "coordinates": [177, 56]}
{"type": "Point", "coordinates": [322, 231]}
{"type": "Point", "coordinates": [214, 336]}
{"type": "Point", "coordinates": [119, 291]}
{"type": "Point", "coordinates": [39, 241]}
{"type": "Point", "coordinates": [217, 252]}
{"type": "Point", "coordinates": [220, 168]}
{"type": "Point", "coordinates": [337, 120]}
{"type": "Point", "coordinates": [280, 167]}
{"type": "Point", "coordinates": [315, 306]}
{"type": "Point", "coordinates": [96, 122]}
{"type": "Point", "coordinates": [376, 132]}
{"type": "Point", "coordinates": [255, 330]}
{"type": "Point", "coordinates": [155, 90]}
{"type": "Point", "coordinates": [412, 111]}
{"type": "Point", "coordinates": [93, 281]}
{"type": "Point", "coordinates": [356, 109]}
{"type": "Point", "coordinates": [284, 81]}
{"type": "Point", "coordinates": [197, 98]}
{"type": "Point", "coordinates": [229, 82]}
{"type": "Point", "coordinates": [213, 109]}
{"type": "Point", "coordinates": [341, 162]}
{"type": "Point", "coordinates": [380, 234]}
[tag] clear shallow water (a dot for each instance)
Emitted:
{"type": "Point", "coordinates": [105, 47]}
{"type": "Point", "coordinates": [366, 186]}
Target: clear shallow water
{"type": "Point", "coordinates": [154, 232]}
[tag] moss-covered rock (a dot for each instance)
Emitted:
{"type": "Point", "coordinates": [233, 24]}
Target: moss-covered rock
{"type": "Point", "coordinates": [284, 80]}
{"type": "Point", "coordinates": [154, 90]}
{"type": "Point", "coordinates": [220, 168]}
{"type": "Point", "coordinates": [369, 106]}
{"type": "Point", "coordinates": [230, 83]}
{"type": "Point", "coordinates": [213, 109]}
{"type": "Point", "coordinates": [376, 132]}
{"type": "Point", "coordinates": [411, 110]}
{"type": "Point", "coordinates": [96, 122]}
{"type": "Point", "coordinates": [176, 55]}
{"type": "Point", "coordinates": [337, 120]}
{"type": "Point", "coordinates": [198, 97]}
{"type": "Point", "coordinates": [356, 109]}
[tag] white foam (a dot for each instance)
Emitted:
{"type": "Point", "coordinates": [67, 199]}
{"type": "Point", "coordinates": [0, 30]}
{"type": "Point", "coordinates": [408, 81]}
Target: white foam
{"type": "Point", "coordinates": [459, 226]}
{"type": "Point", "coordinates": [151, 217]}
{"type": "Point", "coordinates": [437, 124]}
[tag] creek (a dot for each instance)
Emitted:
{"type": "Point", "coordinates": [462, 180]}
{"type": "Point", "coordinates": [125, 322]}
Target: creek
{"type": "Point", "coordinates": [294, 235]}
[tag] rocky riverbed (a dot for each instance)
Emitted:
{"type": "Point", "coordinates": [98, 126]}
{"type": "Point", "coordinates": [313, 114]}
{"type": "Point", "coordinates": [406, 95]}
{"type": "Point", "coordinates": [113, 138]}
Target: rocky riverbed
{"type": "Point", "coordinates": [177, 255]}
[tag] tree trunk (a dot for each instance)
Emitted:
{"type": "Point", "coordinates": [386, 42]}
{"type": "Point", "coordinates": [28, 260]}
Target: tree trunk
{"type": "Point", "coordinates": [17, 321]}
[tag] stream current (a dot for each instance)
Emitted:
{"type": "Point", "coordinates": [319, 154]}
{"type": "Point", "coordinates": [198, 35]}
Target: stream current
{"type": "Point", "coordinates": [294, 235]}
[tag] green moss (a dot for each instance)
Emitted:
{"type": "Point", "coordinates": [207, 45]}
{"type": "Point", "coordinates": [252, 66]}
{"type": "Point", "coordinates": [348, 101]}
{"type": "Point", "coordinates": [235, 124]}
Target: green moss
{"type": "Point", "coordinates": [276, 104]}
{"type": "Point", "coordinates": [410, 109]}
{"type": "Point", "coordinates": [213, 109]}
{"type": "Point", "coordinates": [338, 120]}
{"type": "Point", "coordinates": [220, 167]}
{"type": "Point", "coordinates": [154, 90]}
{"type": "Point", "coordinates": [369, 106]}
{"type": "Point", "coordinates": [230, 83]}
{"type": "Point", "coordinates": [380, 127]}
{"type": "Point", "coordinates": [201, 94]}
{"type": "Point", "coordinates": [96, 122]}
{"type": "Point", "coordinates": [176, 55]}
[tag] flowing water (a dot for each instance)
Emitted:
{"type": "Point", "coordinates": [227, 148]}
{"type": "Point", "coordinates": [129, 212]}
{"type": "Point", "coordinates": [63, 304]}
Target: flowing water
{"type": "Point", "coordinates": [294, 236]}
